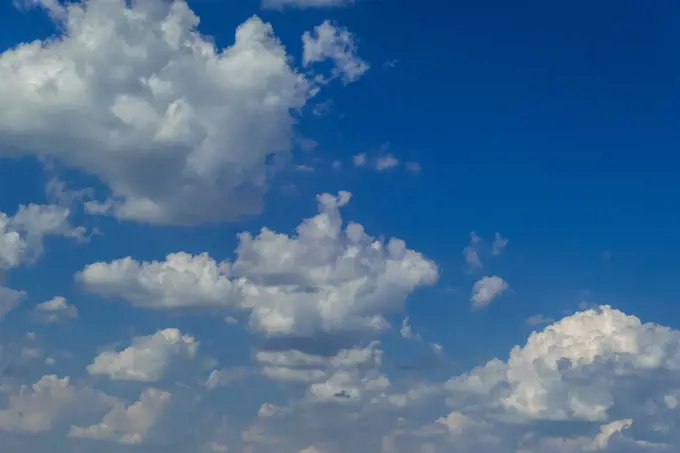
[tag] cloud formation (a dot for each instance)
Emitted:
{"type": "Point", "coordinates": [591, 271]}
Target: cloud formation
{"type": "Point", "coordinates": [179, 131]}
{"type": "Point", "coordinates": [328, 277]}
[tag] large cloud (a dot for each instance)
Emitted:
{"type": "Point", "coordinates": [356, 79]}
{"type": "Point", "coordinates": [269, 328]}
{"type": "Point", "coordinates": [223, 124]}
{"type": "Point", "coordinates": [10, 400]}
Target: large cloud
{"type": "Point", "coordinates": [326, 278]}
{"type": "Point", "coordinates": [181, 132]}
{"type": "Point", "coordinates": [577, 368]}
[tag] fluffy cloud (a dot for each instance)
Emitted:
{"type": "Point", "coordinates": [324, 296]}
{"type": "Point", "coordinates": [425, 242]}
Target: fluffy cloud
{"type": "Point", "coordinates": [147, 358]}
{"type": "Point", "coordinates": [304, 4]}
{"type": "Point", "coordinates": [486, 289]}
{"type": "Point", "coordinates": [386, 162]}
{"type": "Point", "coordinates": [56, 309]}
{"type": "Point", "coordinates": [181, 281]}
{"type": "Point", "coordinates": [128, 425]}
{"type": "Point", "coordinates": [575, 369]}
{"type": "Point", "coordinates": [336, 44]}
{"type": "Point", "coordinates": [325, 278]}
{"type": "Point", "coordinates": [21, 235]}
{"type": "Point", "coordinates": [35, 408]}
{"type": "Point", "coordinates": [179, 131]}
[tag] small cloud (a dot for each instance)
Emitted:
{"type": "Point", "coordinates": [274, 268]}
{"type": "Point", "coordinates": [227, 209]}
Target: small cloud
{"type": "Point", "coordinates": [56, 309]}
{"type": "Point", "coordinates": [230, 320]}
{"type": "Point", "coordinates": [307, 144]}
{"type": "Point", "coordinates": [390, 64]}
{"type": "Point", "coordinates": [538, 319]}
{"type": "Point", "coordinates": [323, 108]}
{"type": "Point", "coordinates": [413, 167]}
{"type": "Point", "coordinates": [359, 159]}
{"type": "Point", "coordinates": [499, 245]}
{"type": "Point", "coordinates": [471, 254]}
{"type": "Point", "coordinates": [337, 164]}
{"type": "Point", "coordinates": [406, 330]}
{"type": "Point", "coordinates": [304, 168]}
{"type": "Point", "coordinates": [386, 162]}
{"type": "Point", "coordinates": [485, 290]}
{"type": "Point", "coordinates": [220, 378]}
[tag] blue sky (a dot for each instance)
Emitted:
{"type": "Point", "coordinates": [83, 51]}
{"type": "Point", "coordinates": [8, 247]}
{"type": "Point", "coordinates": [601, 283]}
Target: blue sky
{"type": "Point", "coordinates": [525, 153]}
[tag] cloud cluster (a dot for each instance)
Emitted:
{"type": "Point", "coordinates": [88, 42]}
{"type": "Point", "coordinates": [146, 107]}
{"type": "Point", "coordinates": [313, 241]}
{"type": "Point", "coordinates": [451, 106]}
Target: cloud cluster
{"type": "Point", "coordinates": [326, 278]}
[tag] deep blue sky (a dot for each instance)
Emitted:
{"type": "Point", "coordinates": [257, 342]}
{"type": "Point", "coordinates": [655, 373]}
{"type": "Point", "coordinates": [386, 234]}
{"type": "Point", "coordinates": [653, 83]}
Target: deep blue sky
{"type": "Point", "coordinates": [554, 123]}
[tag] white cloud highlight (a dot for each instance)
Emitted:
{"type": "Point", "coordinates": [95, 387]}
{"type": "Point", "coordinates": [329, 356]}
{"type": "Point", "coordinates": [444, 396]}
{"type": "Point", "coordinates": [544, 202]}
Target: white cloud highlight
{"type": "Point", "coordinates": [147, 359]}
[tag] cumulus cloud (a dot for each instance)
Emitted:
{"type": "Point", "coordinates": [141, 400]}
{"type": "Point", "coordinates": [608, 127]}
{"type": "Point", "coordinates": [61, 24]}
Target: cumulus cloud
{"type": "Point", "coordinates": [56, 310]}
{"type": "Point", "coordinates": [22, 235]}
{"type": "Point", "coordinates": [180, 281]}
{"type": "Point", "coordinates": [574, 369]}
{"type": "Point", "coordinates": [147, 358]}
{"type": "Point", "coordinates": [326, 278]}
{"type": "Point", "coordinates": [35, 408]}
{"type": "Point", "coordinates": [128, 425]}
{"type": "Point", "coordinates": [329, 41]}
{"type": "Point", "coordinates": [486, 289]}
{"type": "Point", "coordinates": [304, 4]}
{"type": "Point", "coordinates": [179, 131]}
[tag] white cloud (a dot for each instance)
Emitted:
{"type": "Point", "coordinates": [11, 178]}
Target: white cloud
{"type": "Point", "coordinates": [323, 279]}
{"type": "Point", "coordinates": [406, 330]}
{"type": "Point", "coordinates": [9, 299]}
{"type": "Point", "coordinates": [304, 4]}
{"type": "Point", "coordinates": [179, 131]}
{"type": "Point", "coordinates": [147, 359]}
{"type": "Point", "coordinates": [181, 281]}
{"type": "Point", "coordinates": [35, 408]}
{"type": "Point", "coordinates": [21, 235]}
{"type": "Point", "coordinates": [56, 309]}
{"type": "Point", "coordinates": [386, 162]}
{"type": "Point", "coordinates": [486, 289]}
{"type": "Point", "coordinates": [359, 159]}
{"type": "Point", "coordinates": [337, 44]}
{"type": "Point", "coordinates": [128, 425]}
{"type": "Point", "coordinates": [574, 369]}
{"type": "Point", "coordinates": [471, 253]}
{"type": "Point", "coordinates": [498, 245]}
{"type": "Point", "coordinates": [608, 430]}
